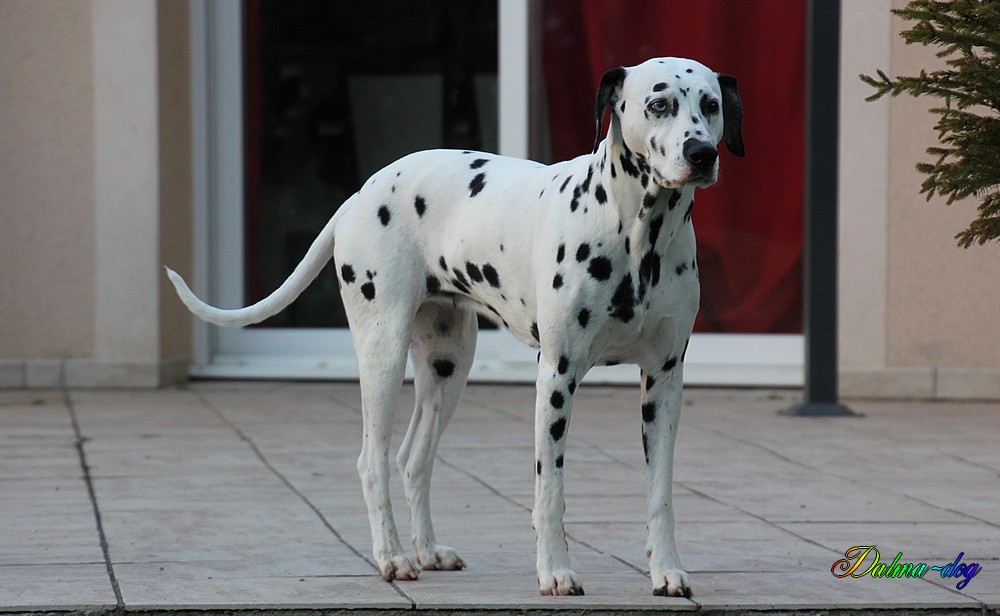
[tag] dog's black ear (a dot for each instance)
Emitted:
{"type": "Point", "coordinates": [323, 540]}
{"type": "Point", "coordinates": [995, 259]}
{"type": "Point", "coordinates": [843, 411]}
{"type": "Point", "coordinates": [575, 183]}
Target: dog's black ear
{"type": "Point", "coordinates": [732, 115]}
{"type": "Point", "coordinates": [607, 94]}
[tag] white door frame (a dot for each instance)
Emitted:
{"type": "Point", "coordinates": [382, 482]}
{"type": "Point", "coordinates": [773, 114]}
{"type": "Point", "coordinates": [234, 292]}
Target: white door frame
{"type": "Point", "coordinates": [217, 106]}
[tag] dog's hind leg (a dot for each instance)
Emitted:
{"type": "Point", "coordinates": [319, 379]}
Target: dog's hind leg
{"type": "Point", "coordinates": [381, 361]}
{"type": "Point", "coordinates": [443, 346]}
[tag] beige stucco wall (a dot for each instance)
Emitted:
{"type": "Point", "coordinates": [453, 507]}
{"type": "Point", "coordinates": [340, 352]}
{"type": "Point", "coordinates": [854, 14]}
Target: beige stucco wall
{"type": "Point", "coordinates": [46, 180]}
{"type": "Point", "coordinates": [95, 186]}
{"type": "Point", "coordinates": [919, 316]}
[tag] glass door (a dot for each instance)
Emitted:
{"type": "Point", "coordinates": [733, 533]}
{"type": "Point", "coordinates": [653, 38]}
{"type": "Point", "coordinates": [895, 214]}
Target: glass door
{"type": "Point", "coordinates": [303, 101]}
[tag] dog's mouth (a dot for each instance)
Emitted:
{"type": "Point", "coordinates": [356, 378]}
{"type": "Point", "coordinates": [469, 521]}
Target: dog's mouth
{"type": "Point", "coordinates": [693, 177]}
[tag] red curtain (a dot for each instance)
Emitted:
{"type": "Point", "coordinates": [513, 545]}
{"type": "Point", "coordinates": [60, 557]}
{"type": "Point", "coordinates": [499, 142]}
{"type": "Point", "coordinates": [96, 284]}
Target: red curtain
{"type": "Point", "coordinates": [749, 225]}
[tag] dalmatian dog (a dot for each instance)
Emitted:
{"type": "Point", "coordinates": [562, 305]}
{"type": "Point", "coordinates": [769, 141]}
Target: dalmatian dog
{"type": "Point", "coordinates": [591, 261]}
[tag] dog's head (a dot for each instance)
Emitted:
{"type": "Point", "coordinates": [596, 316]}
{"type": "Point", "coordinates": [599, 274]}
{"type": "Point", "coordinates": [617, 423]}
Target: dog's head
{"type": "Point", "coordinates": [671, 113]}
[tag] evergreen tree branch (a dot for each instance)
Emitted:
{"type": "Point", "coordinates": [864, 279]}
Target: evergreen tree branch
{"type": "Point", "coordinates": [966, 162]}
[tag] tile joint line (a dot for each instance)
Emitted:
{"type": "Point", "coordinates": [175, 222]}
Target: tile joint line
{"type": "Point", "coordinates": [88, 479]}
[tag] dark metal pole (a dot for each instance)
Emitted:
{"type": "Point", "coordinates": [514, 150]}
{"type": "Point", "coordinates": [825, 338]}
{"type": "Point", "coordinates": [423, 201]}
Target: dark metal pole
{"type": "Point", "coordinates": [820, 258]}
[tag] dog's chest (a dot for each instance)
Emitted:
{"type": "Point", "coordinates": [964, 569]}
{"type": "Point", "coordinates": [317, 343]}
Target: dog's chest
{"type": "Point", "coordinates": [615, 292]}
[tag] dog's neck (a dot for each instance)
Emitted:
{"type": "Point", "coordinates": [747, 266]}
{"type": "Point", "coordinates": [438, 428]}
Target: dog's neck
{"type": "Point", "coordinates": [647, 214]}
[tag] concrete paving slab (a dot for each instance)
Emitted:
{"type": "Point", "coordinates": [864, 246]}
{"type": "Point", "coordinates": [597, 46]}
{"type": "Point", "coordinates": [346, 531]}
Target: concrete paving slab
{"type": "Point", "coordinates": [47, 521]}
{"type": "Point", "coordinates": [53, 586]}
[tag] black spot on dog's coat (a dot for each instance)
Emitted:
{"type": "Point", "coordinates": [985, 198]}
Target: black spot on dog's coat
{"type": "Point", "coordinates": [575, 201]}
{"type": "Point", "coordinates": [585, 187]}
{"type": "Point", "coordinates": [368, 290]}
{"type": "Point", "coordinates": [583, 317]}
{"type": "Point", "coordinates": [557, 400]}
{"type": "Point", "coordinates": [443, 264]}
{"type": "Point", "coordinates": [559, 462]}
{"type": "Point", "coordinates": [628, 167]}
{"type": "Point", "coordinates": [563, 364]}
{"type": "Point", "coordinates": [670, 364]}
{"type": "Point", "coordinates": [479, 162]}
{"type": "Point", "coordinates": [433, 285]}
{"type": "Point", "coordinates": [561, 253]}
{"type": "Point", "coordinates": [558, 428]}
{"type": "Point", "coordinates": [473, 271]}
{"type": "Point", "coordinates": [420, 205]}
{"type": "Point", "coordinates": [583, 252]}
{"type": "Point", "coordinates": [347, 273]}
{"type": "Point", "coordinates": [649, 412]}
{"type": "Point", "coordinates": [534, 332]}
{"type": "Point", "coordinates": [477, 184]}
{"type": "Point", "coordinates": [654, 230]}
{"type": "Point", "coordinates": [565, 184]}
{"type": "Point", "coordinates": [557, 281]}
{"type": "Point", "coordinates": [572, 386]}
{"type": "Point", "coordinates": [623, 301]}
{"type": "Point", "coordinates": [660, 87]}
{"type": "Point", "coordinates": [491, 275]}
{"type": "Point", "coordinates": [538, 467]}
{"type": "Point", "coordinates": [600, 268]}
{"type": "Point", "coordinates": [600, 194]}
{"type": "Point", "coordinates": [384, 216]}
{"type": "Point", "coordinates": [674, 199]}
{"type": "Point", "coordinates": [649, 271]}
{"type": "Point", "coordinates": [444, 367]}
{"type": "Point", "coordinates": [459, 280]}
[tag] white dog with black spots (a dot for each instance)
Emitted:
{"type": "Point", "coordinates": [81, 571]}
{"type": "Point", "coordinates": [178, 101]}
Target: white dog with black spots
{"type": "Point", "coordinates": [591, 261]}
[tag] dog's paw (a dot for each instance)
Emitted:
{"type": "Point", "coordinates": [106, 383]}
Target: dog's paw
{"type": "Point", "coordinates": [672, 583]}
{"type": "Point", "coordinates": [559, 582]}
{"type": "Point", "coordinates": [397, 568]}
{"type": "Point", "coordinates": [440, 558]}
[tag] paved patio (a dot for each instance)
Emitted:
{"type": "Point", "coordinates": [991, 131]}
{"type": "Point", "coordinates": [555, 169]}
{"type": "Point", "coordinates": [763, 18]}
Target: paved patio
{"type": "Point", "coordinates": [234, 497]}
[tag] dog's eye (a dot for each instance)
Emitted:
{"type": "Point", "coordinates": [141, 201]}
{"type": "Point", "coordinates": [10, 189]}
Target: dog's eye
{"type": "Point", "coordinates": [659, 105]}
{"type": "Point", "coordinates": [710, 107]}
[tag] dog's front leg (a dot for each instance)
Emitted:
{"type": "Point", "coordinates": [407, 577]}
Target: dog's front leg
{"type": "Point", "coordinates": [661, 408]}
{"type": "Point", "coordinates": [554, 400]}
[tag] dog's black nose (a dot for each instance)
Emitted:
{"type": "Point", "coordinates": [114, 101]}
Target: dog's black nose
{"type": "Point", "coordinates": [701, 154]}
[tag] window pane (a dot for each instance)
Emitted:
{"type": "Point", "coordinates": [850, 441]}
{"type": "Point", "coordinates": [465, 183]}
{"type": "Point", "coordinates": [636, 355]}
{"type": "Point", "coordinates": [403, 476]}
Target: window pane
{"type": "Point", "coordinates": [334, 91]}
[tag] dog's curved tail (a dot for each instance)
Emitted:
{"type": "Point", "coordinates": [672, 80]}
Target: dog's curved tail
{"type": "Point", "coordinates": [319, 253]}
